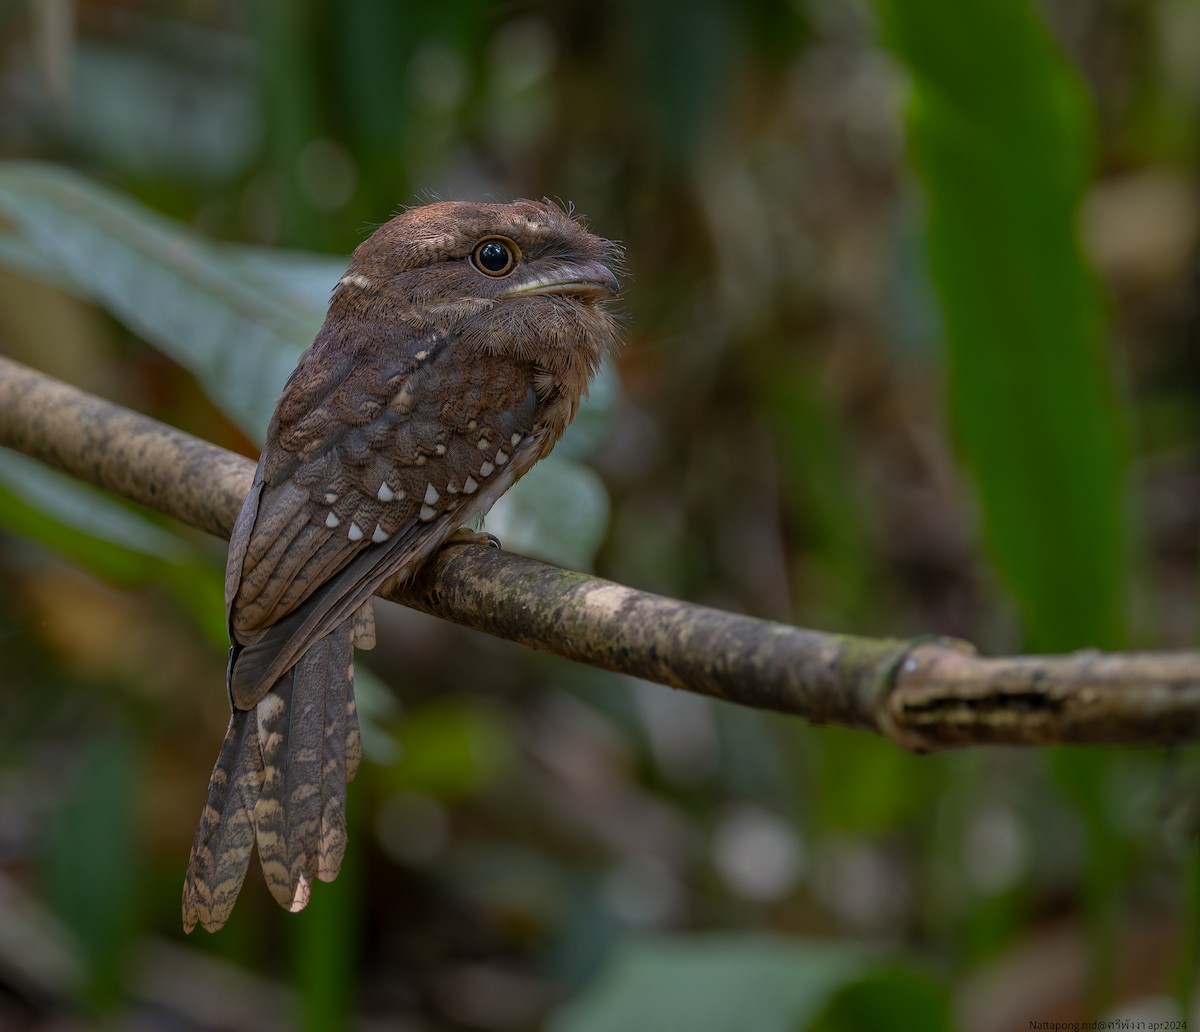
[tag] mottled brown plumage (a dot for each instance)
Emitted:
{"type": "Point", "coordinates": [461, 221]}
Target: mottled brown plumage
{"type": "Point", "coordinates": [455, 352]}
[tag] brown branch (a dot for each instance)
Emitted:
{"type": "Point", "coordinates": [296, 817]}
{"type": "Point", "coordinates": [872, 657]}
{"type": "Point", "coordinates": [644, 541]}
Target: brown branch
{"type": "Point", "coordinates": [923, 694]}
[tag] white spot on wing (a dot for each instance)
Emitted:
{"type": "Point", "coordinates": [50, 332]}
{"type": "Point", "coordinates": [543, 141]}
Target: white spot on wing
{"type": "Point", "coordinates": [380, 535]}
{"type": "Point", "coordinates": [356, 279]}
{"type": "Point", "coordinates": [486, 469]}
{"type": "Point", "coordinates": [403, 400]}
{"type": "Point", "coordinates": [427, 513]}
{"type": "Point", "coordinates": [271, 706]}
{"type": "Point", "coordinates": [431, 495]}
{"type": "Point", "coordinates": [332, 520]}
{"type": "Point", "coordinates": [355, 532]}
{"type": "Point", "coordinates": [470, 485]}
{"type": "Point", "coordinates": [385, 492]}
{"type": "Point", "coordinates": [331, 496]}
{"type": "Point", "coordinates": [515, 440]}
{"type": "Point", "coordinates": [501, 457]}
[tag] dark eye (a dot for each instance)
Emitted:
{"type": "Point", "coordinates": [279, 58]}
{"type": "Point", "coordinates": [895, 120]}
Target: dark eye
{"type": "Point", "coordinates": [495, 256]}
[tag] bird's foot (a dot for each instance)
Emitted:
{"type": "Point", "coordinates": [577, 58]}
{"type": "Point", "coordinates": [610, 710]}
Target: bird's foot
{"type": "Point", "coordinates": [467, 536]}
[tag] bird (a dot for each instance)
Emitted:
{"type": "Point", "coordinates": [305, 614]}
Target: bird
{"type": "Point", "coordinates": [456, 350]}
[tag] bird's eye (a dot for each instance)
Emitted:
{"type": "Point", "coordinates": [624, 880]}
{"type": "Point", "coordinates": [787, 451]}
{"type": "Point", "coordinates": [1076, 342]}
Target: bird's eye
{"type": "Point", "coordinates": [495, 256]}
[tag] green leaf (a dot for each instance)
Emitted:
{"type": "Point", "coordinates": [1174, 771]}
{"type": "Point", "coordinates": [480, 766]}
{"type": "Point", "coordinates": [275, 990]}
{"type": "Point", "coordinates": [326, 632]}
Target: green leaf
{"type": "Point", "coordinates": [73, 506]}
{"type": "Point", "coordinates": [714, 984]}
{"type": "Point", "coordinates": [299, 277]}
{"type": "Point", "coordinates": [90, 864]}
{"type": "Point", "coordinates": [591, 428]}
{"type": "Point", "coordinates": [108, 537]}
{"type": "Point", "coordinates": [1000, 132]}
{"type": "Point", "coordinates": [19, 256]}
{"type": "Point", "coordinates": [236, 332]}
{"type": "Point", "coordinates": [896, 1000]}
{"type": "Point", "coordinates": [558, 513]}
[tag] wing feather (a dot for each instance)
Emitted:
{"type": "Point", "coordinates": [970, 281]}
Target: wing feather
{"type": "Point", "coordinates": [408, 446]}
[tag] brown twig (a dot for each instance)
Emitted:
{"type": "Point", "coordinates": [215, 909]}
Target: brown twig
{"type": "Point", "coordinates": [923, 694]}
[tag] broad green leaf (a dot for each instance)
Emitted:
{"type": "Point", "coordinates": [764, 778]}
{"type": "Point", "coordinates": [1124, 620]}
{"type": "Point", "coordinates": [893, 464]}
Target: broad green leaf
{"type": "Point", "coordinates": [108, 537]}
{"type": "Point", "coordinates": [558, 513]}
{"type": "Point", "coordinates": [300, 276]}
{"type": "Point", "coordinates": [236, 335]}
{"type": "Point", "coordinates": [94, 514]}
{"type": "Point", "coordinates": [16, 254]}
{"type": "Point", "coordinates": [714, 984]}
{"type": "Point", "coordinates": [1000, 132]}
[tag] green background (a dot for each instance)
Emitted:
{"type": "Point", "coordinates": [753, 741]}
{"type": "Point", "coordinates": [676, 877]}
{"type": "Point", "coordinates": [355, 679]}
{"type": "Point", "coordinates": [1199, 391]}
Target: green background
{"type": "Point", "coordinates": [913, 347]}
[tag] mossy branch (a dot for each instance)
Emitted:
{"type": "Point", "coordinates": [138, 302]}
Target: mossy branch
{"type": "Point", "coordinates": [923, 694]}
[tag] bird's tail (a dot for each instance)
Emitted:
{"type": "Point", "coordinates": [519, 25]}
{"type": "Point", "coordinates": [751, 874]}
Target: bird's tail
{"type": "Point", "coordinates": [280, 781]}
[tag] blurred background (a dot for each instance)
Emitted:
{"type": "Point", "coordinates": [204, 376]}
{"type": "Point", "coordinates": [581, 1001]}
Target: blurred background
{"type": "Point", "coordinates": [913, 347]}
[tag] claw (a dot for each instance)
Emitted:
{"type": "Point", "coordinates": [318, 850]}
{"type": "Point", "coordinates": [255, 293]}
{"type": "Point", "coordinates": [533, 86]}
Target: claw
{"type": "Point", "coordinates": [466, 536]}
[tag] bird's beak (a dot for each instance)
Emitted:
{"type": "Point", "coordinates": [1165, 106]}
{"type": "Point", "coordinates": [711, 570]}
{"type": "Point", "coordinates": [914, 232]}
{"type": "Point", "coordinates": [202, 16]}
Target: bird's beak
{"type": "Point", "coordinates": [575, 279]}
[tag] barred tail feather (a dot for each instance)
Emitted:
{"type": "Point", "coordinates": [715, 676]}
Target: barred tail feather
{"type": "Point", "coordinates": [353, 738]}
{"type": "Point", "coordinates": [335, 763]}
{"type": "Point", "coordinates": [278, 825]}
{"type": "Point", "coordinates": [280, 783]}
{"type": "Point", "coordinates": [292, 732]}
{"type": "Point", "coordinates": [225, 837]}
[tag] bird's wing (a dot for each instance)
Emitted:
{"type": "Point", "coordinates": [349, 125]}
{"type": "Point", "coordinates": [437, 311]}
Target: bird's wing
{"type": "Point", "coordinates": [372, 462]}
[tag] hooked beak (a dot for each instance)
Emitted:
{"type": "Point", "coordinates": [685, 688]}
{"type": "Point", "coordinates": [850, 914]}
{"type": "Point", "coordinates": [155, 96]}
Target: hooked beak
{"type": "Point", "coordinates": [585, 279]}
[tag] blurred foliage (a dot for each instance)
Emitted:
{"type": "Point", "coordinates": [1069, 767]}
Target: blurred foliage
{"type": "Point", "coordinates": [91, 864]}
{"type": "Point", "coordinates": [711, 984]}
{"type": "Point", "coordinates": [1030, 391]}
{"type": "Point", "coordinates": [913, 347]}
{"type": "Point", "coordinates": [1029, 383]}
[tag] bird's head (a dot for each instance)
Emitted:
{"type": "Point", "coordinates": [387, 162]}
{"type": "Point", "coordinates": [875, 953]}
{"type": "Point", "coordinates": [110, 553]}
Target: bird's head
{"type": "Point", "coordinates": [454, 249]}
{"type": "Point", "coordinates": [523, 278]}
